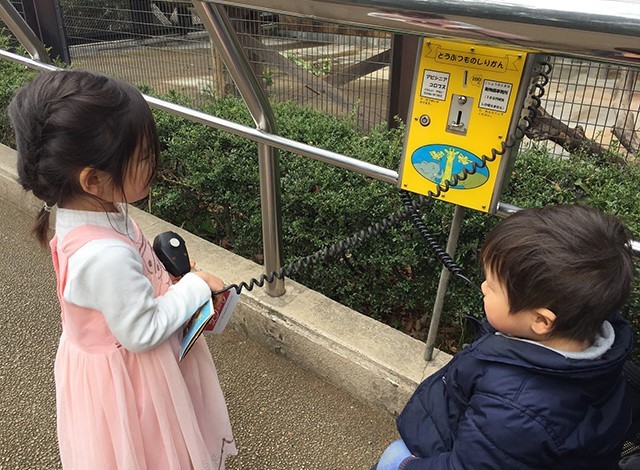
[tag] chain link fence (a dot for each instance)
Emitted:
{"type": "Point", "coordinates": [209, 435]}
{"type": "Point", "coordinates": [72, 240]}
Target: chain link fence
{"type": "Point", "coordinates": [164, 45]}
{"type": "Point", "coordinates": [593, 106]}
{"type": "Point", "coordinates": [339, 70]}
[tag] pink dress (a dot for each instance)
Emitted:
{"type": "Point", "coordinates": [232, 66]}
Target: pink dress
{"type": "Point", "coordinates": [133, 411]}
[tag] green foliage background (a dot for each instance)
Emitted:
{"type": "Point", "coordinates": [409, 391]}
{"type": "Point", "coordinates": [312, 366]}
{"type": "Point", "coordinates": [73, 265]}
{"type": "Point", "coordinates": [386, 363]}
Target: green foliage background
{"type": "Point", "coordinates": [209, 185]}
{"type": "Point", "coordinates": [12, 77]}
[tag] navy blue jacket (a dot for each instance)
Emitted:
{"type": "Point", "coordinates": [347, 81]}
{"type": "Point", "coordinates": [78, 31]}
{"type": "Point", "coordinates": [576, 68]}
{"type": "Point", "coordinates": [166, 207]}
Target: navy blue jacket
{"type": "Point", "coordinates": [508, 404]}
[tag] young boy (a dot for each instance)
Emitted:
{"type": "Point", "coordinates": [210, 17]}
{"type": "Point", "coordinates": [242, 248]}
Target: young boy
{"type": "Point", "coordinates": [543, 388]}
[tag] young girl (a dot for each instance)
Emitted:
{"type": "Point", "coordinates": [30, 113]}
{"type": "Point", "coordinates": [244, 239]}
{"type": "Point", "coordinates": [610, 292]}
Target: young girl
{"type": "Point", "coordinates": [88, 144]}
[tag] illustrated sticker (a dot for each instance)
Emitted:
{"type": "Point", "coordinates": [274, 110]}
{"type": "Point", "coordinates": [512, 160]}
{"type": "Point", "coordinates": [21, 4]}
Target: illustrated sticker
{"type": "Point", "coordinates": [495, 95]}
{"type": "Point", "coordinates": [438, 163]}
{"type": "Point", "coordinates": [434, 85]}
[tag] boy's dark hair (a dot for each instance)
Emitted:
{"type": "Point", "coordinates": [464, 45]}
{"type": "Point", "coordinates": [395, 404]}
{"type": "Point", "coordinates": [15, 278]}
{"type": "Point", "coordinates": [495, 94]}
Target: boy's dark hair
{"type": "Point", "coordinates": [571, 259]}
{"type": "Point", "coordinates": [67, 120]}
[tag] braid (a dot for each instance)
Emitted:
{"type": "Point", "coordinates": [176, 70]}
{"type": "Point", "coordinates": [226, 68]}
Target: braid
{"type": "Point", "coordinates": [32, 150]}
{"type": "Point", "coordinates": [29, 122]}
{"type": "Point", "coordinates": [68, 120]}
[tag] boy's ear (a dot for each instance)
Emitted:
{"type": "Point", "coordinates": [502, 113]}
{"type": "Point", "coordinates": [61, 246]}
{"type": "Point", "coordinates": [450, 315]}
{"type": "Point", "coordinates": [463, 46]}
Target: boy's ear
{"type": "Point", "coordinates": [543, 321]}
{"type": "Point", "coordinates": [92, 181]}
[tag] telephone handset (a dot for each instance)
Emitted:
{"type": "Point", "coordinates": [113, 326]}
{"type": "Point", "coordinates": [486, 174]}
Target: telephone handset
{"type": "Point", "coordinates": [171, 250]}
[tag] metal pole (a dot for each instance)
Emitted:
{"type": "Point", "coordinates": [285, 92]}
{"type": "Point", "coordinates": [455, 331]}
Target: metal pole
{"type": "Point", "coordinates": [45, 19]}
{"type": "Point", "coordinates": [452, 244]}
{"type": "Point", "coordinates": [222, 34]}
{"type": "Point", "coordinates": [23, 32]}
{"type": "Point", "coordinates": [404, 49]}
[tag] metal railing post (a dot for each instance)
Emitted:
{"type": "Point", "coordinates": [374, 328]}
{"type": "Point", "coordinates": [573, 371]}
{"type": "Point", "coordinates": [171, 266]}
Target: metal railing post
{"type": "Point", "coordinates": [45, 19]}
{"type": "Point", "coordinates": [216, 21]}
{"type": "Point", "coordinates": [452, 244]}
{"type": "Point", "coordinates": [19, 27]}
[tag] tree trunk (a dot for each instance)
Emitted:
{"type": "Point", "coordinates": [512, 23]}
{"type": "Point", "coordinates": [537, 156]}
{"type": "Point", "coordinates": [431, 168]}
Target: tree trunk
{"type": "Point", "coordinates": [573, 140]}
{"type": "Point", "coordinates": [625, 128]}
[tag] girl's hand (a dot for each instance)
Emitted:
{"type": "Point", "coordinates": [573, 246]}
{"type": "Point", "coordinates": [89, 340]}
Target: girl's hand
{"type": "Point", "coordinates": [175, 279]}
{"type": "Point", "coordinates": [215, 284]}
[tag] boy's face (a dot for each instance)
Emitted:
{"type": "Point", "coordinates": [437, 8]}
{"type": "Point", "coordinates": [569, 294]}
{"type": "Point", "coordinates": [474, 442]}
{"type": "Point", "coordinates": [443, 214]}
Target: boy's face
{"type": "Point", "coordinates": [496, 307]}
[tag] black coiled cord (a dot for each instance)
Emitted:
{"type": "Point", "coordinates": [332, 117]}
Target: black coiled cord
{"type": "Point", "coordinates": [328, 252]}
{"type": "Point", "coordinates": [410, 209]}
{"type": "Point", "coordinates": [437, 249]}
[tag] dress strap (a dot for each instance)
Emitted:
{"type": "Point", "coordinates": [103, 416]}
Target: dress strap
{"type": "Point", "coordinates": [72, 242]}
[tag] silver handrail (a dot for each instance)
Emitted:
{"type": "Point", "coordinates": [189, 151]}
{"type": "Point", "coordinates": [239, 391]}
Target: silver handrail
{"type": "Point", "coordinates": [605, 30]}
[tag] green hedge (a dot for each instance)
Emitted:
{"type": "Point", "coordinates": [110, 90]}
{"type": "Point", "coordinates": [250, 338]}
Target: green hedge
{"type": "Point", "coordinates": [12, 77]}
{"type": "Point", "coordinates": [209, 185]}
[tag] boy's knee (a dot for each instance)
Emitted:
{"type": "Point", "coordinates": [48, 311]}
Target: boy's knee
{"type": "Point", "coordinates": [393, 455]}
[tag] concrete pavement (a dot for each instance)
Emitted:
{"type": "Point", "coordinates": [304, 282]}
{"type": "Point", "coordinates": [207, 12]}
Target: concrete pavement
{"type": "Point", "coordinates": [283, 416]}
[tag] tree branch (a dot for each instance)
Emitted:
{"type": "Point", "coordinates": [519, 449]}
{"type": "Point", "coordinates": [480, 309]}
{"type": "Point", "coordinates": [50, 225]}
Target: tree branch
{"type": "Point", "coordinates": [573, 140]}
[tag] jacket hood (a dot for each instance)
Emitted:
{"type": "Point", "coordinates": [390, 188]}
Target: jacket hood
{"type": "Point", "coordinates": [498, 348]}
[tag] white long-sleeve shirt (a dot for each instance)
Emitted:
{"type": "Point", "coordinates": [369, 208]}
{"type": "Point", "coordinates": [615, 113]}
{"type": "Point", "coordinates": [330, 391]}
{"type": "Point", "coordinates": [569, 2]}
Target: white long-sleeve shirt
{"type": "Point", "coordinates": [107, 275]}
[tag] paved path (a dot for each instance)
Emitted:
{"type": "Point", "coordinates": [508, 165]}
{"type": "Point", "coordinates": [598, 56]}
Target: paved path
{"type": "Point", "coordinates": [283, 416]}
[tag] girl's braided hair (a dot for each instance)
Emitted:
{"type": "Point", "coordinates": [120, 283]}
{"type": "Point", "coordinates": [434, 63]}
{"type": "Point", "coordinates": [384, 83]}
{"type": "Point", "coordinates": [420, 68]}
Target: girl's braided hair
{"type": "Point", "coordinates": [65, 121]}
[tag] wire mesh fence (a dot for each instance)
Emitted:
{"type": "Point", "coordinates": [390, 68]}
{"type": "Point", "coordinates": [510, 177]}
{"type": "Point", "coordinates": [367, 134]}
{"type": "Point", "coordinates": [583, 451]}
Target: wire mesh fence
{"type": "Point", "coordinates": [337, 69]}
{"type": "Point", "coordinates": [155, 44]}
{"type": "Point", "coordinates": [164, 45]}
{"type": "Point", "coordinates": [594, 104]}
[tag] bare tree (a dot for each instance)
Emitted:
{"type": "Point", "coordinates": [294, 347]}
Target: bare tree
{"type": "Point", "coordinates": [626, 126]}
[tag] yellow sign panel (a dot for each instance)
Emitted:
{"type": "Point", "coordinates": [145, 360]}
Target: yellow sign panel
{"type": "Point", "coordinates": [463, 104]}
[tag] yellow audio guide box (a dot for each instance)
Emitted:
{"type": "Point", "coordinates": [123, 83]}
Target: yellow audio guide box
{"type": "Point", "coordinates": [466, 100]}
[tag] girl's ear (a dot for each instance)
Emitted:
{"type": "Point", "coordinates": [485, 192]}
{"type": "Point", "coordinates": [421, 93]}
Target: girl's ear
{"type": "Point", "coordinates": [543, 321]}
{"type": "Point", "coordinates": [92, 181]}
